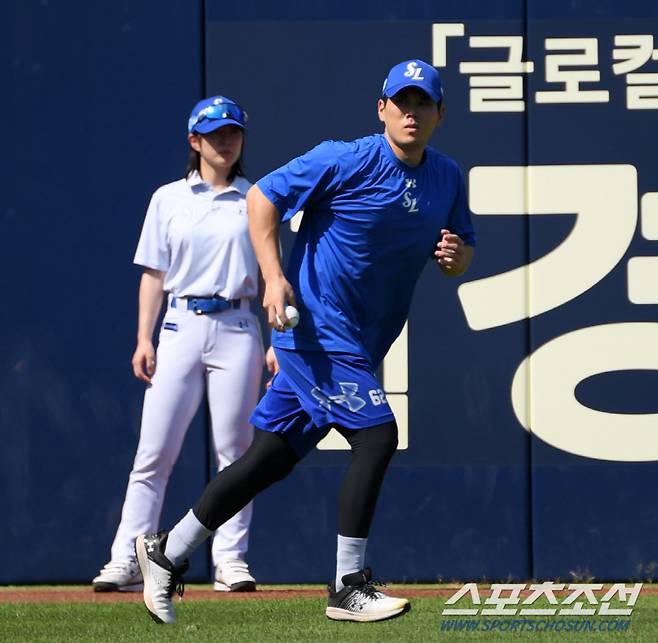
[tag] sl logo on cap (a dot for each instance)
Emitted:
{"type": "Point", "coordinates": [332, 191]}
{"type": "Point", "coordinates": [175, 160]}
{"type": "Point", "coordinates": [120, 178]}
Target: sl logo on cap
{"type": "Point", "coordinates": [414, 71]}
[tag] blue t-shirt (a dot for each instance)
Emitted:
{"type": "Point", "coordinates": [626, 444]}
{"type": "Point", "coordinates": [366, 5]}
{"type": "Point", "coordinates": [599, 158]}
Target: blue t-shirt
{"type": "Point", "coordinates": [370, 224]}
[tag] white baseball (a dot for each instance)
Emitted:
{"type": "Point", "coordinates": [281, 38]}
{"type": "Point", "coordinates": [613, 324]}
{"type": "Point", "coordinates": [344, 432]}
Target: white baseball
{"type": "Point", "coordinates": [293, 317]}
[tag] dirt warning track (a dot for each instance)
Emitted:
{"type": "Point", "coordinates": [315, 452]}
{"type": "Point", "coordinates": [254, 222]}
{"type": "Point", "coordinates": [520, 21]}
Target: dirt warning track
{"type": "Point", "coordinates": [85, 595]}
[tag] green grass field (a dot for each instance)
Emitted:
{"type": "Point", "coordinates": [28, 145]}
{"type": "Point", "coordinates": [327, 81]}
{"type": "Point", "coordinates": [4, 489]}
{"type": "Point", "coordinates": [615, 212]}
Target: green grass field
{"type": "Point", "coordinates": [302, 619]}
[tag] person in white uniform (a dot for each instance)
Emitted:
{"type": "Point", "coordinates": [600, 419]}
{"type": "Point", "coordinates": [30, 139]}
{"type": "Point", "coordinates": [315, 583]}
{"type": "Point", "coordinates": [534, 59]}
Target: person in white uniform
{"type": "Point", "coordinates": [195, 248]}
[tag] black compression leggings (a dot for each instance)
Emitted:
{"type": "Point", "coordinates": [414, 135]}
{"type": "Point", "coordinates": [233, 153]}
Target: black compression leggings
{"type": "Point", "coordinates": [270, 458]}
{"type": "Point", "coordinates": [372, 450]}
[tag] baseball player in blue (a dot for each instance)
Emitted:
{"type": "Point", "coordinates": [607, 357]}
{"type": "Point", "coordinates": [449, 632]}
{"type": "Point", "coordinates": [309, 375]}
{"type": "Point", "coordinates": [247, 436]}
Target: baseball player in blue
{"type": "Point", "coordinates": [375, 210]}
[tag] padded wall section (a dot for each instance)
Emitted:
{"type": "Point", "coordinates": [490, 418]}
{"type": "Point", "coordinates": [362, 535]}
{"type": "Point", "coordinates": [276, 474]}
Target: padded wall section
{"type": "Point", "coordinates": [97, 110]}
{"type": "Point", "coordinates": [593, 368]}
{"type": "Point", "coordinates": [525, 389]}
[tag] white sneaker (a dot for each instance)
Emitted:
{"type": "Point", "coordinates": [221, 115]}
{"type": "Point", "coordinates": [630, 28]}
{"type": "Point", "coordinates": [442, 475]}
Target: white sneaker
{"type": "Point", "coordinates": [161, 578]}
{"type": "Point", "coordinates": [360, 601]}
{"type": "Point", "coordinates": [234, 576]}
{"type": "Point", "coordinates": [119, 576]}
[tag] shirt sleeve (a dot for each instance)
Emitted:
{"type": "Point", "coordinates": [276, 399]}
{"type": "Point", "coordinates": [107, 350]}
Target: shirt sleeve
{"type": "Point", "coordinates": [153, 249]}
{"type": "Point", "coordinates": [304, 180]}
{"type": "Point", "coordinates": [459, 221]}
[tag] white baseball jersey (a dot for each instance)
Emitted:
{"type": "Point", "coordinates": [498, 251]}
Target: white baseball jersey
{"type": "Point", "coordinates": [200, 239]}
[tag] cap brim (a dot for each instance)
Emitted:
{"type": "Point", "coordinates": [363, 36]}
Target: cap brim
{"type": "Point", "coordinates": [211, 124]}
{"type": "Point", "coordinates": [389, 92]}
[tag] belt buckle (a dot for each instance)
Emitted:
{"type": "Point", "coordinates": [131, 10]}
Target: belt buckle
{"type": "Point", "coordinates": [195, 307]}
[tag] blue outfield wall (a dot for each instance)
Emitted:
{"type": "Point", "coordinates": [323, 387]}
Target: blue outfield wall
{"type": "Point", "coordinates": [525, 391]}
{"type": "Point", "coordinates": [95, 101]}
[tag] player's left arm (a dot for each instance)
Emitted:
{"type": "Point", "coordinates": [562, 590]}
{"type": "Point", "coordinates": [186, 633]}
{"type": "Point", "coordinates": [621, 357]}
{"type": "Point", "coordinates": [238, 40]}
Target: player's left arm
{"type": "Point", "coordinates": [454, 250]}
{"type": "Point", "coordinates": [452, 254]}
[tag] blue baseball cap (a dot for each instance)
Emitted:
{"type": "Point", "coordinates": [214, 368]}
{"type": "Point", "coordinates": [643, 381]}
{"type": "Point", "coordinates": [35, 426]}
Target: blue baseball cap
{"type": "Point", "coordinates": [414, 73]}
{"type": "Point", "coordinates": [215, 112]}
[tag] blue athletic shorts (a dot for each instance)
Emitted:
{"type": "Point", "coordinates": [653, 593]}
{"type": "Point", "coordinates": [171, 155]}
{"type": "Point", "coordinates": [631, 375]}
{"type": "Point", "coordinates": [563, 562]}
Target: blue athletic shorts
{"type": "Point", "coordinates": [315, 390]}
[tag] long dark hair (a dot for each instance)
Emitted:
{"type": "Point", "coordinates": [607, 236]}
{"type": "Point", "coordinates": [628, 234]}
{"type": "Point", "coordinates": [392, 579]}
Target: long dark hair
{"type": "Point", "coordinates": [194, 163]}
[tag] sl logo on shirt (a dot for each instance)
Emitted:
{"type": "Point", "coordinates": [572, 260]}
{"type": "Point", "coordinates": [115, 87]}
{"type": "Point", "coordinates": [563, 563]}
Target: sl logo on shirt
{"type": "Point", "coordinates": [409, 202]}
{"type": "Point", "coordinates": [349, 397]}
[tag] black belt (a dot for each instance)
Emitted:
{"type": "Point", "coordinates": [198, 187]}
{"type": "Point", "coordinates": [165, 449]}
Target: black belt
{"type": "Point", "coordinates": [205, 305]}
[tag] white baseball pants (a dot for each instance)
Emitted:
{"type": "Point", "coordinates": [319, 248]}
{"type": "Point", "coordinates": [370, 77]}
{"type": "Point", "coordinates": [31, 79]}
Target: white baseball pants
{"type": "Point", "coordinates": [220, 352]}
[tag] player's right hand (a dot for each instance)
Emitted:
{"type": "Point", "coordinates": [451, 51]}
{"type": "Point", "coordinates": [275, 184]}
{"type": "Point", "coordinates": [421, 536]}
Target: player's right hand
{"type": "Point", "coordinates": [144, 361]}
{"type": "Point", "coordinates": [278, 294]}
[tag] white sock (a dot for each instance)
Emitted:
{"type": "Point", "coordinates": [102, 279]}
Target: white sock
{"type": "Point", "coordinates": [184, 538]}
{"type": "Point", "coordinates": [350, 557]}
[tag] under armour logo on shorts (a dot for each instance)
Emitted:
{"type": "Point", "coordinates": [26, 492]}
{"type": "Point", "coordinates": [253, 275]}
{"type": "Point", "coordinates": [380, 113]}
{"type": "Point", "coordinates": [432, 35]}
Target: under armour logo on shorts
{"type": "Point", "coordinates": [348, 398]}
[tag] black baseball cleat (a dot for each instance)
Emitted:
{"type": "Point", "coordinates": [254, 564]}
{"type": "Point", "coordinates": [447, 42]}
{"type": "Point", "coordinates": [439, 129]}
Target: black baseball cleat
{"type": "Point", "coordinates": [161, 578]}
{"type": "Point", "coordinates": [360, 601]}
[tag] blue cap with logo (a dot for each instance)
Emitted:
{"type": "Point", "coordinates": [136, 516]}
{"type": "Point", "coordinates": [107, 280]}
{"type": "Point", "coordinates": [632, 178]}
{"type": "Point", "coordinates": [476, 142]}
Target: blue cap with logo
{"type": "Point", "coordinates": [414, 73]}
{"type": "Point", "coordinates": [215, 112]}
